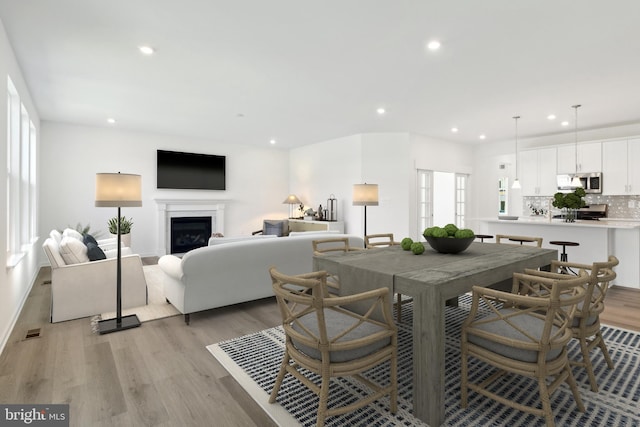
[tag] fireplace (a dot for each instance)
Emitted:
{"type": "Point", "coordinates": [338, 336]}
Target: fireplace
{"type": "Point", "coordinates": [168, 209]}
{"type": "Point", "coordinates": [189, 233]}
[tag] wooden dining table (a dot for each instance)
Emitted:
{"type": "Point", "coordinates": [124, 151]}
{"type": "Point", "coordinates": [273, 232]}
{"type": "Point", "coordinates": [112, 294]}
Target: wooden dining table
{"type": "Point", "coordinates": [431, 279]}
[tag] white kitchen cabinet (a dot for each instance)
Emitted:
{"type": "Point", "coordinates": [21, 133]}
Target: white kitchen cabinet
{"type": "Point", "coordinates": [589, 158]}
{"type": "Point", "coordinates": [620, 176]}
{"type": "Point", "coordinates": [537, 170]}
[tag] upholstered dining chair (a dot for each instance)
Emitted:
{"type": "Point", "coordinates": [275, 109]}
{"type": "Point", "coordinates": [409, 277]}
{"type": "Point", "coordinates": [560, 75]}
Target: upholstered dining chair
{"type": "Point", "coordinates": [512, 239]}
{"type": "Point", "coordinates": [381, 241]}
{"type": "Point", "coordinates": [326, 339]}
{"type": "Point", "coordinates": [586, 322]}
{"type": "Point", "coordinates": [332, 244]}
{"type": "Point", "coordinates": [523, 333]}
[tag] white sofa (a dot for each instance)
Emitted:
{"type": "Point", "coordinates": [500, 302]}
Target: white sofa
{"type": "Point", "coordinates": [235, 272]}
{"type": "Point", "coordinates": [82, 288]}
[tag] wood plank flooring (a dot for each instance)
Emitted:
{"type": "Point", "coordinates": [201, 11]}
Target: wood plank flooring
{"type": "Point", "coordinates": [160, 374]}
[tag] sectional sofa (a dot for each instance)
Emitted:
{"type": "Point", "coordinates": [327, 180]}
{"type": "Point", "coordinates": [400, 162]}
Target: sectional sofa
{"type": "Point", "coordinates": [238, 271]}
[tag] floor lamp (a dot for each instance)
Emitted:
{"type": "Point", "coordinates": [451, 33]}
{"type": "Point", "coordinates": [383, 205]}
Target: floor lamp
{"type": "Point", "coordinates": [365, 195]}
{"type": "Point", "coordinates": [118, 190]}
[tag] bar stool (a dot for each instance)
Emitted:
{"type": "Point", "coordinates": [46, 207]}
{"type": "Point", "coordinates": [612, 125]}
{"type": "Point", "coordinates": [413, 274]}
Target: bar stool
{"type": "Point", "coordinates": [521, 239]}
{"type": "Point", "coordinates": [563, 255]}
{"type": "Point", "coordinates": [483, 236]}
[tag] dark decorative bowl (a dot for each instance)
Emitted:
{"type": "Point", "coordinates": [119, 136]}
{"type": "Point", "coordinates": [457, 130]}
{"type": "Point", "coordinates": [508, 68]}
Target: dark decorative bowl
{"type": "Point", "coordinates": [449, 245]}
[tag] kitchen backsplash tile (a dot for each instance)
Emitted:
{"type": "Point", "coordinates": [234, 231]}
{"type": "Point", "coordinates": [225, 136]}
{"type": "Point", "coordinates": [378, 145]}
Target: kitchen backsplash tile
{"type": "Point", "coordinates": [627, 207]}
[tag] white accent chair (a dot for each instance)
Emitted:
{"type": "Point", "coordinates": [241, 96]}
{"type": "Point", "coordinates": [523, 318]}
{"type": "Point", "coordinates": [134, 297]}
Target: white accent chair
{"type": "Point", "coordinates": [82, 288]}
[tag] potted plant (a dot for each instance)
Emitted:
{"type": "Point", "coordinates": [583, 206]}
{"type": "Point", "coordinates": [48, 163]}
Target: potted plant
{"type": "Point", "coordinates": [125, 229]}
{"type": "Point", "coordinates": [570, 203]}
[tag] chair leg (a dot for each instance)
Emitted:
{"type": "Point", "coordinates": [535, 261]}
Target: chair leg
{"type": "Point", "coordinates": [394, 382]}
{"type": "Point", "coordinates": [464, 391]}
{"type": "Point", "coordinates": [586, 362]}
{"type": "Point", "coordinates": [546, 401]}
{"type": "Point", "coordinates": [279, 378]}
{"type": "Point", "coordinates": [324, 400]}
{"type": "Point", "coordinates": [574, 388]}
{"type": "Point", "coordinates": [605, 351]}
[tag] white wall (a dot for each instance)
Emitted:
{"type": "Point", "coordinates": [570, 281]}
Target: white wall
{"type": "Point", "coordinates": [15, 282]}
{"type": "Point", "coordinates": [390, 160]}
{"type": "Point", "coordinates": [387, 162]}
{"type": "Point", "coordinates": [483, 193]}
{"type": "Point", "coordinates": [330, 167]}
{"type": "Point", "coordinates": [257, 180]}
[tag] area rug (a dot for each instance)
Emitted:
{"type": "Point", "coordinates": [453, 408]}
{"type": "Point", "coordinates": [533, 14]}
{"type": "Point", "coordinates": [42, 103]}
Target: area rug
{"type": "Point", "coordinates": [254, 361]}
{"type": "Point", "coordinates": [158, 307]}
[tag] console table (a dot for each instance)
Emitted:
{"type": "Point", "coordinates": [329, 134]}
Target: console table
{"type": "Point", "coordinates": [305, 225]}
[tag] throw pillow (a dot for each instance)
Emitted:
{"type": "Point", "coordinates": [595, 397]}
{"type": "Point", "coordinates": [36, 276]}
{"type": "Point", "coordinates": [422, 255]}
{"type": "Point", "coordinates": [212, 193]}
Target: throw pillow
{"type": "Point", "coordinates": [73, 251]}
{"type": "Point", "coordinates": [94, 252]}
{"type": "Point", "coordinates": [70, 232]}
{"type": "Point", "coordinates": [56, 235]}
{"type": "Point", "coordinates": [88, 238]}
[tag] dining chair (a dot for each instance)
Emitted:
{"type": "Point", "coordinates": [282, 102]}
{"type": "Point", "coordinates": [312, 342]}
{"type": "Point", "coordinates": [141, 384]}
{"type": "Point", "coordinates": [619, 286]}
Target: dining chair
{"type": "Point", "coordinates": [380, 241]}
{"type": "Point", "coordinates": [586, 322]}
{"type": "Point", "coordinates": [500, 238]}
{"type": "Point", "coordinates": [324, 338]}
{"type": "Point", "coordinates": [522, 333]}
{"type": "Point", "coordinates": [332, 244]}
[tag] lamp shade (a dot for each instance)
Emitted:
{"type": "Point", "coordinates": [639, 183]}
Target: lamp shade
{"type": "Point", "coordinates": [292, 199]}
{"type": "Point", "coordinates": [118, 190]}
{"type": "Point", "coordinates": [365, 195]}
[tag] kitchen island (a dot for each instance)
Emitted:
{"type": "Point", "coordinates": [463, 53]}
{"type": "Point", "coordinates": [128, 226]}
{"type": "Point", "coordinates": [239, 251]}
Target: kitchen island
{"type": "Point", "coordinates": [597, 239]}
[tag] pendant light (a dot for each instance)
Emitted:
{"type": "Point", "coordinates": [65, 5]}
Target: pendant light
{"type": "Point", "coordinates": [516, 183]}
{"type": "Point", "coordinates": [575, 182]}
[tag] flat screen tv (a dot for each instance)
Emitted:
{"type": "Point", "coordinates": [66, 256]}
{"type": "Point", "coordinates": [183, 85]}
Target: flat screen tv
{"type": "Point", "coordinates": [178, 170]}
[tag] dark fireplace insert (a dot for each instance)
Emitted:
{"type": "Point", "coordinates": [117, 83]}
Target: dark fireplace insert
{"type": "Point", "coordinates": [189, 233]}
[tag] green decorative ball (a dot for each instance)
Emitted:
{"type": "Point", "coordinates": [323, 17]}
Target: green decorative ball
{"type": "Point", "coordinates": [406, 243]}
{"type": "Point", "coordinates": [417, 248]}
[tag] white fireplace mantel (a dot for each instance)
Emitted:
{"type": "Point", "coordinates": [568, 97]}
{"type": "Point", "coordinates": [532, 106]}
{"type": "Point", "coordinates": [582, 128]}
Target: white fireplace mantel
{"type": "Point", "coordinates": [171, 208]}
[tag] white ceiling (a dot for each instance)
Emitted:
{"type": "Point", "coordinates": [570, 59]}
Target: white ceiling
{"type": "Point", "coordinates": [299, 71]}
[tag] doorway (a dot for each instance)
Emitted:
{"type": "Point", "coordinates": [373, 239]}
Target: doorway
{"type": "Point", "coordinates": [441, 199]}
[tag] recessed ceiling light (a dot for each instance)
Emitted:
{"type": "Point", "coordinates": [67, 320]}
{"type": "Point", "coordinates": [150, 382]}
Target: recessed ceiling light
{"type": "Point", "coordinates": [483, 136]}
{"type": "Point", "coordinates": [146, 50]}
{"type": "Point", "coordinates": [454, 130]}
{"type": "Point", "coordinates": [111, 120]}
{"type": "Point", "coordinates": [433, 45]}
{"type": "Point", "coordinates": [272, 141]}
{"type": "Point", "coordinates": [381, 111]}
{"type": "Point", "coordinates": [565, 123]}
{"type": "Point", "coordinates": [551, 117]}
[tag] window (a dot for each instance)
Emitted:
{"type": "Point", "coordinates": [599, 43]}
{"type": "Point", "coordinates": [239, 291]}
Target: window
{"type": "Point", "coordinates": [21, 178]}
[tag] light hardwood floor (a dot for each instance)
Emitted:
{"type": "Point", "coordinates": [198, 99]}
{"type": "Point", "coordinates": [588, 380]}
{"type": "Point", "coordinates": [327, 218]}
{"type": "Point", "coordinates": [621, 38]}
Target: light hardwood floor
{"type": "Point", "coordinates": [160, 374]}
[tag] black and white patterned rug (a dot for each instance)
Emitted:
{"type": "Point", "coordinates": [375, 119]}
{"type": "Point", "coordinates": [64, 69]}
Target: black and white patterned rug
{"type": "Point", "coordinates": [254, 361]}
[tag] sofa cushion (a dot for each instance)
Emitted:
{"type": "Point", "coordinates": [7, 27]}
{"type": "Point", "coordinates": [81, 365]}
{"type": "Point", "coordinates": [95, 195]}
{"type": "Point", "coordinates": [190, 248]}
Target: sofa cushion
{"type": "Point", "coordinates": [532, 325]}
{"type": "Point", "coordinates": [336, 323]}
{"type": "Point", "coordinates": [52, 249]}
{"type": "Point", "coordinates": [70, 232]}
{"type": "Point", "coordinates": [94, 252]}
{"type": "Point", "coordinates": [73, 251]}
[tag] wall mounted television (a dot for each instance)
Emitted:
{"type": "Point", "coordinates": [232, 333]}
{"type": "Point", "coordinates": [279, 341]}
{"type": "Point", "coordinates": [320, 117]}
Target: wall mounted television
{"type": "Point", "coordinates": [177, 170]}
